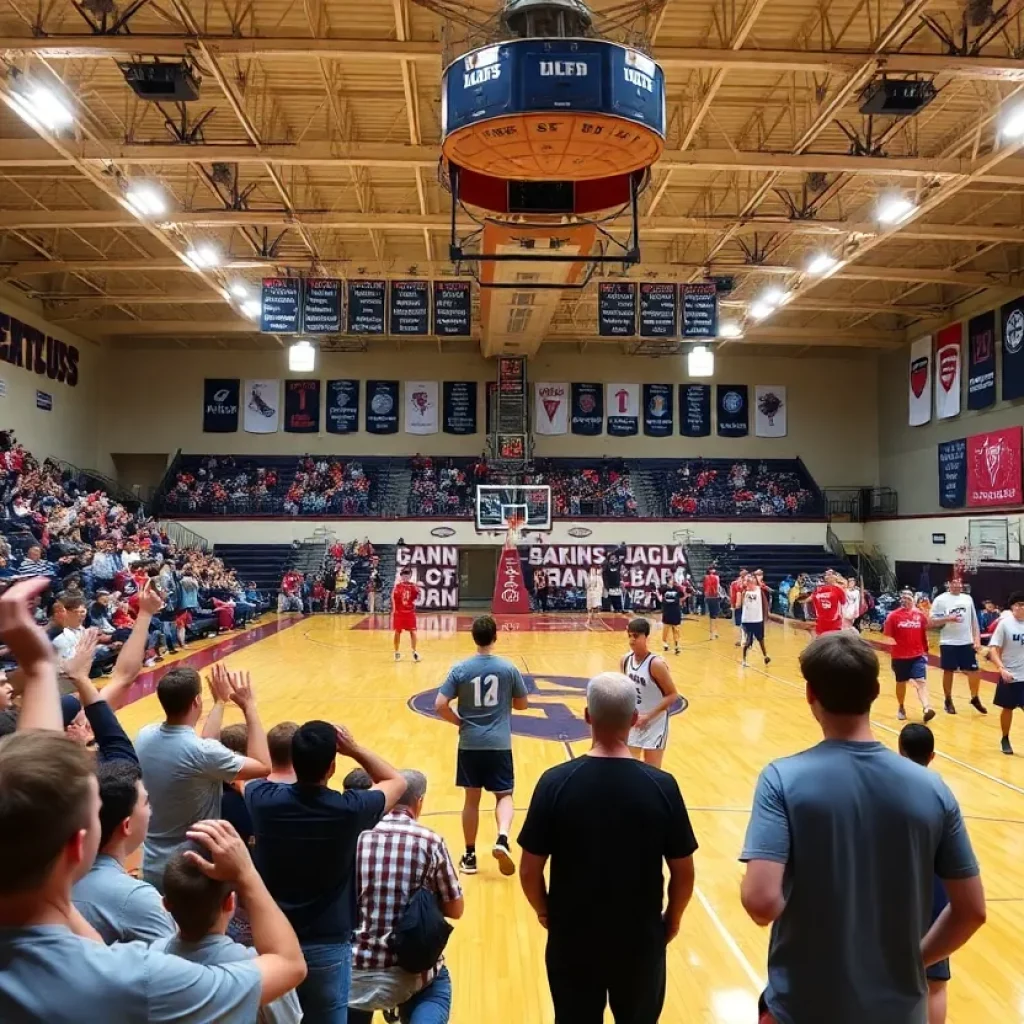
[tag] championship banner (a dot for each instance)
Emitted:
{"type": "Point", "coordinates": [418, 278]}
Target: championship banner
{"type": "Point", "coordinates": [459, 399]}
{"type": "Point", "coordinates": [953, 473]}
{"type": "Point", "coordinates": [550, 408]}
{"type": "Point", "coordinates": [587, 409]}
{"type": "Point", "coordinates": [994, 467]}
{"type": "Point", "coordinates": [342, 406]}
{"type": "Point", "coordinates": [947, 371]}
{"type": "Point", "coordinates": [770, 406]}
{"type": "Point", "coordinates": [302, 406]}
{"type": "Point", "coordinates": [623, 404]}
{"type": "Point", "coordinates": [568, 565]}
{"type": "Point", "coordinates": [733, 410]}
{"type": "Point", "coordinates": [695, 410]}
{"type": "Point", "coordinates": [435, 567]}
{"type": "Point", "coordinates": [220, 405]}
{"type": "Point", "coordinates": [382, 406]}
{"type": "Point", "coordinates": [1012, 316]}
{"type": "Point", "coordinates": [981, 374]}
{"type": "Point", "coordinates": [262, 406]}
{"type": "Point", "coordinates": [921, 381]}
{"type": "Point", "coordinates": [421, 415]}
{"type": "Point", "coordinates": [658, 410]}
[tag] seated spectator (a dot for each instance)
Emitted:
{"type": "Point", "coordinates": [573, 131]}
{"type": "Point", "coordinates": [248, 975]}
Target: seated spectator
{"type": "Point", "coordinates": [279, 743]}
{"type": "Point", "coordinates": [290, 597]}
{"type": "Point", "coordinates": [33, 564]}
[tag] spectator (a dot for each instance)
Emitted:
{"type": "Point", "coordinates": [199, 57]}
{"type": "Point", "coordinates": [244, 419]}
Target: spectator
{"type": "Point", "coordinates": [232, 803]}
{"type": "Point", "coordinates": [33, 564]}
{"type": "Point", "coordinates": [846, 944]}
{"type": "Point", "coordinates": [106, 564]}
{"type": "Point", "coordinates": [185, 773]}
{"type": "Point", "coordinates": [396, 859]}
{"type": "Point", "coordinates": [598, 817]}
{"type": "Point", "coordinates": [279, 743]}
{"type": "Point", "coordinates": [306, 837]}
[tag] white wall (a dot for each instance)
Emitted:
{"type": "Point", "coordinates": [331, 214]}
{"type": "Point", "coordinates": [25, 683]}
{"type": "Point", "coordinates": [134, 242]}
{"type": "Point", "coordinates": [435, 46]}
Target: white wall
{"type": "Point", "coordinates": [910, 540]}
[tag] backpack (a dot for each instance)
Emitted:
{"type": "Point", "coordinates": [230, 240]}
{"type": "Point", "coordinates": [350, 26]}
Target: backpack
{"type": "Point", "coordinates": [421, 934]}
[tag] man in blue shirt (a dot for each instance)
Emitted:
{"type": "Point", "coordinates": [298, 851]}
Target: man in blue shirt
{"type": "Point", "coordinates": [487, 689]}
{"type": "Point", "coordinates": [306, 836]}
{"type": "Point", "coordinates": [843, 845]}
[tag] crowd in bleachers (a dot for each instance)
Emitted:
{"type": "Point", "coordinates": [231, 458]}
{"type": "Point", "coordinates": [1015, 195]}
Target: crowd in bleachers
{"type": "Point", "coordinates": [225, 485]}
{"type": "Point", "coordinates": [717, 489]}
{"type": "Point", "coordinates": [348, 581]}
{"type": "Point", "coordinates": [328, 486]}
{"type": "Point", "coordinates": [444, 487]}
{"type": "Point", "coordinates": [604, 489]}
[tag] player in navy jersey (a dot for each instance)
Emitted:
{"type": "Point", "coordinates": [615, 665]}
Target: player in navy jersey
{"type": "Point", "coordinates": [671, 614]}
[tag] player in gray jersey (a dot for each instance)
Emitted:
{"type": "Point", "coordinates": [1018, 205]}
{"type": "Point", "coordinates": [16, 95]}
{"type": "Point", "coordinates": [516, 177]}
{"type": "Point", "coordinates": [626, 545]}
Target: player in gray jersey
{"type": "Point", "coordinates": [1007, 649]}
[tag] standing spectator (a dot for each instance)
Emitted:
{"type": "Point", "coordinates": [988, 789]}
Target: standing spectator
{"type": "Point", "coordinates": [279, 743]}
{"type": "Point", "coordinates": [827, 827]}
{"type": "Point", "coordinates": [183, 772]}
{"type": "Point", "coordinates": [540, 589]}
{"type": "Point", "coordinates": [396, 859]}
{"type": "Point", "coordinates": [306, 837]}
{"type": "Point", "coordinates": [106, 564]}
{"type": "Point", "coordinates": [601, 816]}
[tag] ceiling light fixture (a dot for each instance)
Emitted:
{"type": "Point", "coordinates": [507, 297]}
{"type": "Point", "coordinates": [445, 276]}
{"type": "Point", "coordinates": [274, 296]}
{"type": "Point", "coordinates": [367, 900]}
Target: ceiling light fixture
{"type": "Point", "coordinates": [41, 107]}
{"type": "Point", "coordinates": [301, 357]}
{"type": "Point", "coordinates": [252, 308]}
{"type": "Point", "coordinates": [822, 264]}
{"type": "Point", "coordinates": [700, 362]}
{"type": "Point", "coordinates": [202, 256]}
{"type": "Point", "coordinates": [774, 297]}
{"type": "Point", "coordinates": [894, 209]}
{"type": "Point", "coordinates": [239, 290]}
{"type": "Point", "coordinates": [146, 200]}
{"type": "Point", "coordinates": [1012, 124]}
{"type": "Point", "coordinates": [761, 310]}
{"type": "Point", "coordinates": [730, 329]}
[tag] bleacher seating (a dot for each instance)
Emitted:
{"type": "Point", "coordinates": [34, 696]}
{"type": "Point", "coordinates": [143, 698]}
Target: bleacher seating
{"type": "Point", "coordinates": [263, 564]}
{"type": "Point", "coordinates": [778, 561]}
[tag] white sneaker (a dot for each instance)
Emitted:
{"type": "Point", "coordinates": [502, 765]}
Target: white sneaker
{"type": "Point", "coordinates": [664, 647]}
{"type": "Point", "coordinates": [398, 655]}
{"type": "Point", "coordinates": [415, 655]}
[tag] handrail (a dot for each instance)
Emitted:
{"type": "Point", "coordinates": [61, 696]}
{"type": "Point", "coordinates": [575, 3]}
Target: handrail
{"type": "Point", "coordinates": [167, 479]}
{"type": "Point", "coordinates": [182, 537]}
{"type": "Point", "coordinates": [98, 481]}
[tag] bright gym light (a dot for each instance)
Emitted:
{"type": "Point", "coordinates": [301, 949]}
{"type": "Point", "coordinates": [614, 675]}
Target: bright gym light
{"type": "Point", "coordinates": [823, 263]}
{"type": "Point", "coordinates": [700, 362]}
{"type": "Point", "coordinates": [774, 297]}
{"type": "Point", "coordinates": [239, 290]}
{"type": "Point", "coordinates": [41, 107]}
{"type": "Point", "coordinates": [730, 329]}
{"type": "Point", "coordinates": [761, 310]}
{"type": "Point", "coordinates": [1012, 124]}
{"type": "Point", "coordinates": [301, 357]}
{"type": "Point", "coordinates": [894, 209]}
{"type": "Point", "coordinates": [146, 200]}
{"type": "Point", "coordinates": [252, 308]}
{"type": "Point", "coordinates": [202, 257]}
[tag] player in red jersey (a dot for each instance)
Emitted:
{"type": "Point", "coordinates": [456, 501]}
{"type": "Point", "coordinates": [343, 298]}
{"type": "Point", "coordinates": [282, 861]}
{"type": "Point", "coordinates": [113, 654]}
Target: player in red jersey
{"type": "Point", "coordinates": [712, 599]}
{"type": "Point", "coordinates": [403, 610]}
{"type": "Point", "coordinates": [828, 601]}
{"type": "Point", "coordinates": [736, 589]}
{"type": "Point", "coordinates": [906, 628]}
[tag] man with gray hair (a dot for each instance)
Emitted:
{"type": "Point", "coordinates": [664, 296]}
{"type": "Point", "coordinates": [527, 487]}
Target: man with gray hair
{"type": "Point", "coordinates": [607, 816]}
{"type": "Point", "coordinates": [394, 860]}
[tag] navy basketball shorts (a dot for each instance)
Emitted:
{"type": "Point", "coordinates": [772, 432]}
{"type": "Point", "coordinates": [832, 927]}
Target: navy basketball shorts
{"type": "Point", "coordinates": [485, 769]}
{"type": "Point", "coordinates": [958, 658]}
{"type": "Point", "coordinates": [905, 669]}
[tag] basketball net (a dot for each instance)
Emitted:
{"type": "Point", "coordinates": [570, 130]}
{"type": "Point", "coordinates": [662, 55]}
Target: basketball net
{"type": "Point", "coordinates": [967, 561]}
{"type": "Point", "coordinates": [515, 531]}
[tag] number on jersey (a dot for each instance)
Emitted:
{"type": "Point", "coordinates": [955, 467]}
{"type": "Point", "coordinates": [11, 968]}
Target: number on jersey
{"type": "Point", "coordinates": [485, 691]}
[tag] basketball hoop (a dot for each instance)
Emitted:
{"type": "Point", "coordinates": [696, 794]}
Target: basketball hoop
{"type": "Point", "coordinates": [515, 530]}
{"type": "Point", "coordinates": [968, 558]}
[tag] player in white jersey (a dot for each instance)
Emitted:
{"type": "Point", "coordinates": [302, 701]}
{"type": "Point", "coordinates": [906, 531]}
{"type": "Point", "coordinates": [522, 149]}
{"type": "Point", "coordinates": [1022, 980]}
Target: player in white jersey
{"type": "Point", "coordinates": [655, 694]}
{"type": "Point", "coordinates": [595, 590]}
{"type": "Point", "coordinates": [959, 642]}
{"type": "Point", "coordinates": [752, 608]}
{"type": "Point", "coordinates": [851, 607]}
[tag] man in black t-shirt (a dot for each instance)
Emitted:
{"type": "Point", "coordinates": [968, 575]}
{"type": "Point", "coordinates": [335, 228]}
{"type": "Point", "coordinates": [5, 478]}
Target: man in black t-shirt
{"type": "Point", "coordinates": [600, 818]}
{"type": "Point", "coordinates": [611, 575]}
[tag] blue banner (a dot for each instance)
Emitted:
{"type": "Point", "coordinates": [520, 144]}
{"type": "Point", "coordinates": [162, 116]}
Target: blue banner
{"type": "Point", "coordinates": [953, 473]}
{"type": "Point", "coordinates": [699, 305]}
{"type": "Point", "coordinates": [342, 406]}
{"type": "Point", "coordinates": [733, 410]}
{"type": "Point", "coordinates": [220, 405]}
{"type": "Point", "coordinates": [695, 410]}
{"type": "Point", "coordinates": [587, 413]}
{"type": "Point", "coordinates": [658, 410]}
{"type": "Point", "coordinates": [981, 361]}
{"type": "Point", "coordinates": [280, 305]}
{"type": "Point", "coordinates": [382, 406]}
{"type": "Point", "coordinates": [1013, 350]}
{"type": "Point", "coordinates": [459, 406]}
{"type": "Point", "coordinates": [321, 310]}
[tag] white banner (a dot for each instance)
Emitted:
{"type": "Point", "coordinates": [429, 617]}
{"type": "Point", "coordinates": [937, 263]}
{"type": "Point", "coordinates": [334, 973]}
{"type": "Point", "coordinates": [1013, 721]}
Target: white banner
{"type": "Point", "coordinates": [436, 568]}
{"type": "Point", "coordinates": [261, 400]}
{"type": "Point", "coordinates": [920, 389]}
{"type": "Point", "coordinates": [421, 416]}
{"type": "Point", "coordinates": [622, 407]}
{"type": "Point", "coordinates": [551, 408]}
{"type": "Point", "coordinates": [771, 407]}
{"type": "Point", "coordinates": [948, 366]}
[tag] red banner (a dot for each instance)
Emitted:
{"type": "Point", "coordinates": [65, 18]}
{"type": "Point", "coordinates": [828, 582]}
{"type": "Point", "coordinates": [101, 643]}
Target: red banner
{"type": "Point", "coordinates": [994, 467]}
{"type": "Point", "coordinates": [510, 597]}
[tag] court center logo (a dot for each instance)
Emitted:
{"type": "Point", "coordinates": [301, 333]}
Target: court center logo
{"type": "Point", "coordinates": [555, 712]}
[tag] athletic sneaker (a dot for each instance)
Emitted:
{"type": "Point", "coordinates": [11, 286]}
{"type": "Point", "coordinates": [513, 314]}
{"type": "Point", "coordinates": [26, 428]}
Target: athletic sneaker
{"type": "Point", "coordinates": [949, 706]}
{"type": "Point", "coordinates": [1004, 745]}
{"type": "Point", "coordinates": [664, 647]}
{"type": "Point", "coordinates": [415, 655]}
{"type": "Point", "coordinates": [978, 706]}
{"type": "Point", "coordinates": [901, 714]}
{"type": "Point", "coordinates": [767, 660]}
{"type": "Point", "coordinates": [929, 714]}
{"type": "Point", "coordinates": [677, 650]}
{"type": "Point", "coordinates": [503, 855]}
{"type": "Point", "coordinates": [737, 644]}
{"type": "Point", "coordinates": [467, 865]}
{"type": "Point", "coordinates": [743, 663]}
{"type": "Point", "coordinates": [398, 655]}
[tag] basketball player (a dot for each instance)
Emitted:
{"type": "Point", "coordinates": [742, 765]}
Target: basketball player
{"type": "Point", "coordinates": [655, 694]}
{"type": "Point", "coordinates": [595, 589]}
{"type": "Point", "coordinates": [828, 602]}
{"type": "Point", "coordinates": [736, 589]}
{"type": "Point", "coordinates": [1007, 650]}
{"type": "Point", "coordinates": [907, 628]}
{"type": "Point", "coordinates": [752, 606]}
{"type": "Point", "coordinates": [671, 614]}
{"type": "Point", "coordinates": [712, 598]}
{"type": "Point", "coordinates": [959, 642]}
{"type": "Point", "coordinates": [851, 607]}
{"type": "Point", "coordinates": [403, 610]}
{"type": "Point", "coordinates": [612, 575]}
{"type": "Point", "coordinates": [487, 689]}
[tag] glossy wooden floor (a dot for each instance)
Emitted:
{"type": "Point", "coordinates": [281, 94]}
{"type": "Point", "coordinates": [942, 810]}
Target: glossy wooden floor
{"type": "Point", "coordinates": [737, 720]}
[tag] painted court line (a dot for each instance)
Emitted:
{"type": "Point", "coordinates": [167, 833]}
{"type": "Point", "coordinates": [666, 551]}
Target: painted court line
{"type": "Point", "coordinates": [748, 968]}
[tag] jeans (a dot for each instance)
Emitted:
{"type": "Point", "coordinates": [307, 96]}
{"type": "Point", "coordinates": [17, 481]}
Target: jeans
{"type": "Point", "coordinates": [431, 1005]}
{"type": "Point", "coordinates": [323, 996]}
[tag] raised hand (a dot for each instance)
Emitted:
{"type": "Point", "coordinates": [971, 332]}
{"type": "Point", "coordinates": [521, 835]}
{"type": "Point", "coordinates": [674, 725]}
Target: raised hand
{"type": "Point", "coordinates": [219, 682]}
{"type": "Point", "coordinates": [241, 689]}
{"type": "Point", "coordinates": [347, 746]}
{"type": "Point", "coordinates": [150, 600]}
{"type": "Point", "coordinates": [229, 857]}
{"type": "Point", "coordinates": [27, 642]}
{"type": "Point", "coordinates": [79, 664]}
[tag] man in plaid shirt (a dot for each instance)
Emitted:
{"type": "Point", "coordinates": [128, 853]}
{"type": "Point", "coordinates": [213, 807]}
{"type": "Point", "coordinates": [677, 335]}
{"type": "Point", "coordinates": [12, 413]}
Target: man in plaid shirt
{"type": "Point", "coordinates": [394, 860]}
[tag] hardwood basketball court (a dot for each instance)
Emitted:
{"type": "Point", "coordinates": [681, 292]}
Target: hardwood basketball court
{"type": "Point", "coordinates": [340, 668]}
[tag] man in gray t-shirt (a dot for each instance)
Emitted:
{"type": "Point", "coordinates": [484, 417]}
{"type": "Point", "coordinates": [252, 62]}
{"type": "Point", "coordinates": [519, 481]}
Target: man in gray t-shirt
{"type": "Point", "coordinates": [1007, 650]}
{"type": "Point", "coordinates": [487, 690]}
{"type": "Point", "coordinates": [842, 846]}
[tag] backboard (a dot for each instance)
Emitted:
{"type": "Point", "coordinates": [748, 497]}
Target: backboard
{"type": "Point", "coordinates": [496, 503]}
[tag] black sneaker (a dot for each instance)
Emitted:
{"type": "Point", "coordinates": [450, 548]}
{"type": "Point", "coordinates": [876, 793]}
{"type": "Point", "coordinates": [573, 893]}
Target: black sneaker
{"type": "Point", "coordinates": [978, 706]}
{"type": "Point", "coordinates": [767, 660]}
{"type": "Point", "coordinates": [949, 706]}
{"type": "Point", "coordinates": [1004, 745]}
{"type": "Point", "coordinates": [467, 866]}
{"type": "Point", "coordinates": [929, 714]}
{"type": "Point", "coordinates": [503, 855]}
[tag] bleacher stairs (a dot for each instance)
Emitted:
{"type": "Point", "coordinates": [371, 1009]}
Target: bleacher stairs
{"type": "Point", "coordinates": [263, 563]}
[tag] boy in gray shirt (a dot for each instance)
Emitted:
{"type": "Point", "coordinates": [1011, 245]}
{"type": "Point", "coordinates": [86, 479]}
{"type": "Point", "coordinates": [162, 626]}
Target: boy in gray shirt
{"type": "Point", "coordinates": [1007, 650]}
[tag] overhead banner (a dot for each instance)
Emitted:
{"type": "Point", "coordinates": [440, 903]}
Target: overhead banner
{"type": "Point", "coordinates": [657, 309]}
{"type": "Point", "coordinates": [1013, 350]}
{"type": "Point", "coordinates": [342, 406]}
{"type": "Point", "coordinates": [280, 304]}
{"type": "Point", "coordinates": [421, 414]}
{"type": "Point", "coordinates": [623, 404]}
{"type": "Point", "coordinates": [994, 467]}
{"type": "Point", "coordinates": [771, 407]}
{"type": "Point", "coordinates": [587, 409]}
{"type": "Point", "coordinates": [459, 406]}
{"type": "Point", "coordinates": [382, 406]}
{"type": "Point", "coordinates": [262, 406]}
{"type": "Point", "coordinates": [953, 473]}
{"type": "Point", "coordinates": [321, 310]}
{"type": "Point", "coordinates": [452, 309]}
{"type": "Point", "coordinates": [568, 565]}
{"type": "Point", "coordinates": [733, 410]}
{"type": "Point", "coordinates": [695, 410]}
{"type": "Point", "coordinates": [550, 408]}
{"type": "Point", "coordinates": [616, 309]}
{"type": "Point", "coordinates": [699, 303]}
{"type": "Point", "coordinates": [220, 405]}
{"type": "Point", "coordinates": [658, 410]}
{"type": "Point", "coordinates": [920, 389]}
{"type": "Point", "coordinates": [981, 374]}
{"type": "Point", "coordinates": [366, 307]}
{"type": "Point", "coordinates": [948, 360]}
{"type": "Point", "coordinates": [435, 567]}
{"type": "Point", "coordinates": [302, 406]}
{"type": "Point", "coordinates": [409, 309]}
